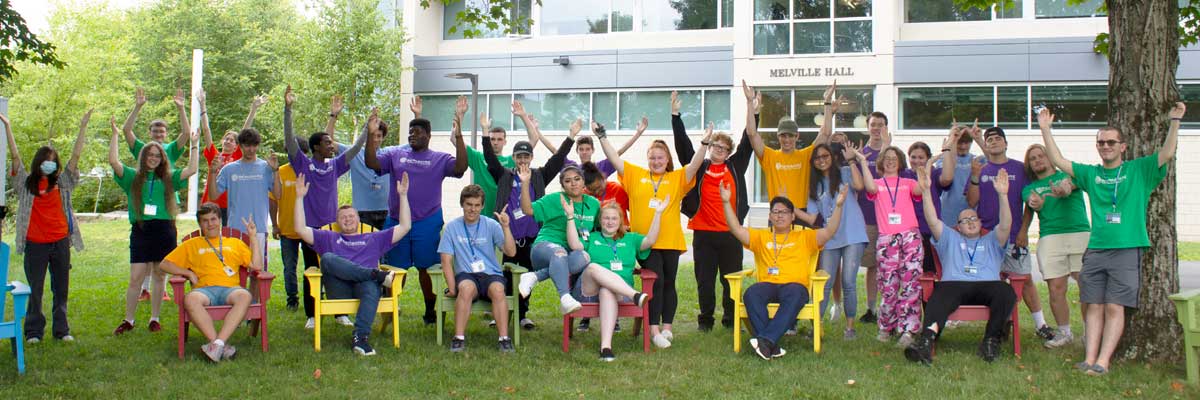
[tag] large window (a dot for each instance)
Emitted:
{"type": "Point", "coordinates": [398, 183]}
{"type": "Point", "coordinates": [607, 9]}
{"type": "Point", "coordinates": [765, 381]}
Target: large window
{"type": "Point", "coordinates": [568, 17]}
{"type": "Point", "coordinates": [1074, 106]}
{"type": "Point", "coordinates": [949, 11]}
{"type": "Point", "coordinates": [812, 26]}
{"type": "Point", "coordinates": [937, 107]}
{"type": "Point", "coordinates": [1067, 9]}
{"type": "Point", "coordinates": [576, 17]}
{"type": "Point", "coordinates": [449, 17]}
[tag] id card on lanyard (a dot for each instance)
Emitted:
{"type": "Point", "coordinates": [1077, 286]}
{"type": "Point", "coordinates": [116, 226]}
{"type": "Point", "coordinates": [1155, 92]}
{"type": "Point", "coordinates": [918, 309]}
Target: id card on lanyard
{"type": "Point", "coordinates": [971, 268]}
{"type": "Point", "coordinates": [150, 210]}
{"type": "Point", "coordinates": [477, 265]}
{"type": "Point", "coordinates": [893, 217]}
{"type": "Point", "coordinates": [615, 264]}
{"type": "Point", "coordinates": [654, 201]}
{"type": "Point", "coordinates": [776, 248]}
{"type": "Point", "coordinates": [1114, 217]}
{"type": "Point", "coordinates": [220, 254]}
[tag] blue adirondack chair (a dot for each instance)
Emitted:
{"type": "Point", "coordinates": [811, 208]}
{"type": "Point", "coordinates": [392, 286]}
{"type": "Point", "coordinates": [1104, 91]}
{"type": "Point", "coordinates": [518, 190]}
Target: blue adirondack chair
{"type": "Point", "coordinates": [13, 330]}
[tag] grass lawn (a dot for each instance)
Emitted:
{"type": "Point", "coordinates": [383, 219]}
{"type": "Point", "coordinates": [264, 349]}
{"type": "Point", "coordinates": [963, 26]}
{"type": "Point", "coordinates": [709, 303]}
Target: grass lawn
{"type": "Point", "coordinates": [699, 365]}
{"type": "Point", "coordinates": [1189, 251]}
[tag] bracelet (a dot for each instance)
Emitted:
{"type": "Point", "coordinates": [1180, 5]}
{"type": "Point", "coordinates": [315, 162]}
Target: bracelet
{"type": "Point", "coordinates": [333, 115]}
{"type": "Point", "coordinates": [705, 143]}
{"type": "Point", "coordinates": [1177, 118]}
{"type": "Point", "coordinates": [828, 103]}
{"type": "Point", "coordinates": [975, 182]}
{"type": "Point", "coordinates": [945, 150]}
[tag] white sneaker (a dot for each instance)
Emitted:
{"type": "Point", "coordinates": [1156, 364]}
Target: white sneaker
{"type": "Point", "coordinates": [833, 311]}
{"type": "Point", "coordinates": [1060, 340]}
{"type": "Point", "coordinates": [669, 335]}
{"type": "Point", "coordinates": [660, 341]}
{"type": "Point", "coordinates": [33, 340]}
{"type": "Point", "coordinates": [883, 337]}
{"type": "Point", "coordinates": [528, 279]}
{"type": "Point", "coordinates": [310, 324]}
{"type": "Point", "coordinates": [569, 304]}
{"type": "Point", "coordinates": [905, 340]}
{"type": "Point", "coordinates": [67, 338]}
{"type": "Point", "coordinates": [343, 320]}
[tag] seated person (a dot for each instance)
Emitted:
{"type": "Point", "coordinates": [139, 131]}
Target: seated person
{"type": "Point", "coordinates": [468, 250]}
{"type": "Point", "coordinates": [350, 261]}
{"type": "Point", "coordinates": [210, 262]}
{"type": "Point", "coordinates": [614, 254]}
{"type": "Point", "coordinates": [970, 275]}
{"type": "Point", "coordinates": [783, 257]}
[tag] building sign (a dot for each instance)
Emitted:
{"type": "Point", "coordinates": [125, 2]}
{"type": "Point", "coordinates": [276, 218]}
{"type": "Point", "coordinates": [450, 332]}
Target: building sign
{"type": "Point", "coordinates": [811, 72]}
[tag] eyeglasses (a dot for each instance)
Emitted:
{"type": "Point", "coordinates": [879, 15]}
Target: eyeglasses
{"type": "Point", "coordinates": [822, 157]}
{"type": "Point", "coordinates": [780, 212]}
{"type": "Point", "coordinates": [723, 149]}
{"type": "Point", "coordinates": [968, 220]}
{"type": "Point", "coordinates": [1109, 143]}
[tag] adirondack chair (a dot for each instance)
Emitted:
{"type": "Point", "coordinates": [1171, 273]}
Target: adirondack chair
{"type": "Point", "coordinates": [1185, 305]}
{"type": "Point", "coordinates": [14, 329]}
{"type": "Point", "coordinates": [592, 310]}
{"type": "Point", "coordinates": [257, 313]}
{"type": "Point", "coordinates": [445, 304]}
{"type": "Point", "coordinates": [389, 303]}
{"type": "Point", "coordinates": [810, 312]}
{"type": "Point", "coordinates": [977, 313]}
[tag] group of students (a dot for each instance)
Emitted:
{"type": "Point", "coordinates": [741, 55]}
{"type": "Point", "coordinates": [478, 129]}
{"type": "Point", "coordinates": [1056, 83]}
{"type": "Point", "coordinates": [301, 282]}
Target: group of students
{"type": "Point", "coordinates": [590, 237]}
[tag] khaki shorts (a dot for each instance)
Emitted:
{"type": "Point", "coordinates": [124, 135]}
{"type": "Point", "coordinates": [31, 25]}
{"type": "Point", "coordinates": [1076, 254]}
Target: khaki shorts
{"type": "Point", "coordinates": [1061, 254]}
{"type": "Point", "coordinates": [868, 258]}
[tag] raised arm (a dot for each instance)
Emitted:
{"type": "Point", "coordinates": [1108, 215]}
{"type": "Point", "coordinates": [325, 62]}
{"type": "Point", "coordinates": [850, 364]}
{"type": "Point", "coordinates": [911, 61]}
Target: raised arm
{"type": "Point", "coordinates": [352, 151]}
{"type": "Point", "coordinates": [572, 231]}
{"type": "Point", "coordinates": [614, 157]}
{"type": "Point", "coordinates": [973, 185]}
{"type": "Point", "coordinates": [185, 125]}
{"type": "Point", "coordinates": [202, 99]}
{"type": "Point", "coordinates": [405, 222]}
{"type": "Point", "coordinates": [494, 168]}
{"type": "Point", "coordinates": [652, 232]}
{"type": "Point", "coordinates": [950, 156]}
{"type": "Point", "coordinates": [254, 105]}
{"type": "Point", "coordinates": [756, 141]}
{"type": "Point", "coordinates": [139, 100]}
{"type": "Point", "coordinates": [524, 173]}
{"type": "Point", "coordinates": [193, 157]}
{"type": "Point", "coordinates": [731, 219]}
{"type": "Point", "coordinates": [931, 214]}
{"type": "Point", "coordinates": [641, 128]}
{"type": "Point", "coordinates": [555, 164]}
{"type": "Point", "coordinates": [80, 139]}
{"type": "Point", "coordinates": [830, 109]}
{"type": "Point", "coordinates": [531, 127]}
{"type": "Point", "coordinates": [1167, 151]}
{"type": "Point", "coordinates": [1005, 225]}
{"type": "Point", "coordinates": [683, 144]}
{"type": "Point", "coordinates": [510, 244]}
{"type": "Point", "coordinates": [697, 159]}
{"type": "Point", "coordinates": [114, 159]}
{"type": "Point", "coordinates": [289, 138]}
{"type": "Point", "coordinates": [298, 222]}
{"type": "Point", "coordinates": [12, 142]}
{"type": "Point", "coordinates": [832, 224]}
{"type": "Point", "coordinates": [371, 157]}
{"type": "Point", "coordinates": [863, 172]}
{"type": "Point", "coordinates": [460, 147]}
{"type": "Point", "coordinates": [1045, 119]}
{"type": "Point", "coordinates": [335, 109]}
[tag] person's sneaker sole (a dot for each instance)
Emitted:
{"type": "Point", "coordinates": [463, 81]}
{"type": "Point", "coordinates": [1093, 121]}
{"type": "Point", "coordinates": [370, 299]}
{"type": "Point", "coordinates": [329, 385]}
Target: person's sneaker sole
{"type": "Point", "coordinates": [361, 352]}
{"type": "Point", "coordinates": [915, 356]}
{"type": "Point", "coordinates": [527, 281]}
{"type": "Point", "coordinates": [760, 350]}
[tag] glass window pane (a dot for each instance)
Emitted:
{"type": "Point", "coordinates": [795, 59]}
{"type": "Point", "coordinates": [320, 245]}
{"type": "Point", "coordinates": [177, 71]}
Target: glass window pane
{"type": "Point", "coordinates": [622, 15]}
{"type": "Point", "coordinates": [656, 106]}
{"type": "Point", "coordinates": [1190, 96]}
{"type": "Point", "coordinates": [811, 37]}
{"type": "Point", "coordinates": [500, 110]}
{"type": "Point", "coordinates": [770, 10]}
{"type": "Point", "coordinates": [450, 12]}
{"type": "Point", "coordinates": [1067, 9]}
{"type": "Point", "coordinates": [776, 104]}
{"type": "Point", "coordinates": [1014, 11]}
{"type": "Point", "coordinates": [856, 104]}
{"type": "Point", "coordinates": [574, 17]}
{"type": "Point", "coordinates": [851, 8]}
{"type": "Point", "coordinates": [1013, 107]}
{"type": "Point", "coordinates": [810, 105]}
{"type": "Point", "coordinates": [439, 110]}
{"type": "Point", "coordinates": [556, 111]}
{"type": "Point", "coordinates": [852, 36]}
{"type": "Point", "coordinates": [936, 108]}
{"type": "Point", "coordinates": [604, 109]}
{"type": "Point", "coordinates": [809, 9]}
{"type": "Point", "coordinates": [726, 13]}
{"type": "Point", "coordinates": [671, 15]}
{"type": "Point", "coordinates": [716, 109]}
{"type": "Point", "coordinates": [771, 39]}
{"type": "Point", "coordinates": [1074, 107]}
{"type": "Point", "coordinates": [942, 11]}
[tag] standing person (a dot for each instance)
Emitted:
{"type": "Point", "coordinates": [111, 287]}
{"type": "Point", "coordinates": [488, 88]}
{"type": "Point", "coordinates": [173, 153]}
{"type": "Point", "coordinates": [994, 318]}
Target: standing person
{"type": "Point", "coordinates": [510, 185]}
{"type": "Point", "coordinates": [879, 138]}
{"type": "Point", "coordinates": [550, 256]}
{"type": "Point", "coordinates": [282, 200]}
{"type": "Point", "coordinates": [981, 194]}
{"type": "Point", "coordinates": [717, 252]}
{"type": "Point", "coordinates": [585, 148]}
{"type": "Point", "coordinates": [608, 192]}
{"type": "Point", "coordinates": [153, 204]}
{"type": "Point", "coordinates": [1064, 234]}
{"type": "Point", "coordinates": [1118, 192]}
{"type": "Point", "coordinates": [843, 251]}
{"type": "Point", "coordinates": [956, 171]}
{"type": "Point", "coordinates": [899, 248]}
{"type": "Point", "coordinates": [475, 159]}
{"type": "Point", "coordinates": [249, 183]}
{"type": "Point", "coordinates": [783, 169]}
{"type": "Point", "coordinates": [468, 249]}
{"type": "Point", "coordinates": [919, 157]}
{"type": "Point", "coordinates": [782, 268]}
{"type": "Point", "coordinates": [228, 153]}
{"type": "Point", "coordinates": [648, 188]}
{"type": "Point", "coordinates": [427, 169]}
{"type": "Point", "coordinates": [46, 228]}
{"type": "Point", "coordinates": [608, 279]}
{"type": "Point", "coordinates": [369, 191]}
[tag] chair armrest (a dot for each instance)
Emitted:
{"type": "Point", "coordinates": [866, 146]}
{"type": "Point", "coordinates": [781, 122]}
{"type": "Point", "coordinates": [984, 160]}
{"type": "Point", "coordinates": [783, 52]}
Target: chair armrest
{"type": "Point", "coordinates": [177, 293]}
{"type": "Point", "coordinates": [1018, 283]}
{"type": "Point", "coordinates": [390, 268]}
{"type": "Point", "coordinates": [20, 293]}
{"type": "Point", "coordinates": [1187, 295]}
{"type": "Point", "coordinates": [927, 280]}
{"type": "Point", "coordinates": [816, 291]}
{"type": "Point", "coordinates": [264, 279]}
{"type": "Point", "coordinates": [438, 278]}
{"type": "Point", "coordinates": [735, 284]}
{"type": "Point", "coordinates": [514, 268]}
{"type": "Point", "coordinates": [648, 277]}
{"type": "Point", "coordinates": [1185, 307]}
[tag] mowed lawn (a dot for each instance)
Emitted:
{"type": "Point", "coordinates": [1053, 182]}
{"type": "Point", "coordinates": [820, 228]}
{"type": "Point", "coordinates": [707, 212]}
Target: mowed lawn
{"type": "Point", "coordinates": [698, 365]}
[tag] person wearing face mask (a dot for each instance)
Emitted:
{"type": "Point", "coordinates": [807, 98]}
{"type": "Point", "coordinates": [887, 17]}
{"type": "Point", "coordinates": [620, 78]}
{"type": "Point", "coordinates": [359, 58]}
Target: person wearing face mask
{"type": "Point", "coordinates": [981, 194]}
{"type": "Point", "coordinates": [899, 248]}
{"type": "Point", "coordinates": [511, 182]}
{"type": "Point", "coordinates": [46, 228]}
{"type": "Point", "coordinates": [427, 169]}
{"type": "Point", "coordinates": [228, 153]}
{"type": "Point", "coordinates": [843, 251]}
{"type": "Point", "coordinates": [555, 211]}
{"type": "Point", "coordinates": [648, 188]}
{"type": "Point", "coordinates": [153, 204]}
{"type": "Point", "coordinates": [717, 252]}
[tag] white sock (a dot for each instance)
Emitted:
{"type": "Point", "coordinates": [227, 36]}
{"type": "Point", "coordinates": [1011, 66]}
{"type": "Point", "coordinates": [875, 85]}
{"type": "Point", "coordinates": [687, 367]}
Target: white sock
{"type": "Point", "coordinates": [130, 321]}
{"type": "Point", "coordinates": [1065, 329]}
{"type": "Point", "coordinates": [154, 319]}
{"type": "Point", "coordinates": [459, 337]}
{"type": "Point", "coordinates": [503, 338]}
{"type": "Point", "coordinates": [1039, 319]}
{"type": "Point", "coordinates": [219, 342]}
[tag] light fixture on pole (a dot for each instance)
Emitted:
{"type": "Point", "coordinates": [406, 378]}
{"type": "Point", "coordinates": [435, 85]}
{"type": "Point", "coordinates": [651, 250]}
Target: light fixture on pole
{"type": "Point", "coordinates": [474, 78]}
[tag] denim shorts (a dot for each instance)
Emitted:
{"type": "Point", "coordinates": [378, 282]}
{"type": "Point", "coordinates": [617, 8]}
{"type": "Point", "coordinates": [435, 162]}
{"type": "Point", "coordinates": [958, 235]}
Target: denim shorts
{"type": "Point", "coordinates": [217, 295]}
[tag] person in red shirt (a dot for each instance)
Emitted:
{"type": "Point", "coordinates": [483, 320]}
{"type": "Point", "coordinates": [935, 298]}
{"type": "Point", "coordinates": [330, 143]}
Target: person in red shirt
{"type": "Point", "coordinates": [596, 184]}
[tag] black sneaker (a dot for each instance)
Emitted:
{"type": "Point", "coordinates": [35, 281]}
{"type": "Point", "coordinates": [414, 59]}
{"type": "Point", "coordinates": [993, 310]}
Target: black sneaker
{"type": "Point", "coordinates": [640, 299]}
{"type": "Point", "coordinates": [361, 347]}
{"type": "Point", "coordinates": [429, 318]}
{"type": "Point", "coordinates": [1046, 333]}
{"type": "Point", "coordinates": [921, 350]}
{"type": "Point", "coordinates": [869, 317]}
{"type": "Point", "coordinates": [292, 304]}
{"type": "Point", "coordinates": [607, 355]}
{"type": "Point", "coordinates": [458, 345]}
{"type": "Point", "coordinates": [705, 326]}
{"type": "Point", "coordinates": [727, 323]}
{"type": "Point", "coordinates": [527, 324]}
{"type": "Point", "coordinates": [617, 327]}
{"type": "Point", "coordinates": [584, 325]}
{"type": "Point", "coordinates": [505, 345]}
{"type": "Point", "coordinates": [989, 349]}
{"type": "Point", "coordinates": [763, 347]}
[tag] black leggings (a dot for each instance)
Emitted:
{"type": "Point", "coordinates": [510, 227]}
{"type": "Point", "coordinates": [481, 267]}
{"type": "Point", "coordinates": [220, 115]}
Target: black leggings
{"type": "Point", "coordinates": [947, 296]}
{"type": "Point", "coordinates": [717, 254]}
{"type": "Point", "coordinates": [665, 263]}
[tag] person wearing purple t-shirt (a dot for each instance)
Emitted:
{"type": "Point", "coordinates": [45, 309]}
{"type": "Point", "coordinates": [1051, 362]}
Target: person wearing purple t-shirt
{"type": "Point", "coordinates": [427, 169]}
{"type": "Point", "coordinates": [879, 138]}
{"type": "Point", "coordinates": [350, 260]}
{"type": "Point", "coordinates": [981, 194]}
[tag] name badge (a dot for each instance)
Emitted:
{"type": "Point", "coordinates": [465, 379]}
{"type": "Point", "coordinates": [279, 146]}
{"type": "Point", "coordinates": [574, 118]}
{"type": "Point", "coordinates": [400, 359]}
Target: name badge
{"type": "Point", "coordinates": [655, 203]}
{"type": "Point", "coordinates": [583, 235]}
{"type": "Point", "coordinates": [150, 209]}
{"type": "Point", "coordinates": [1113, 218]}
{"type": "Point", "coordinates": [971, 269]}
{"type": "Point", "coordinates": [229, 271]}
{"type": "Point", "coordinates": [376, 186]}
{"type": "Point", "coordinates": [517, 214]}
{"type": "Point", "coordinates": [893, 219]}
{"type": "Point", "coordinates": [477, 267]}
{"type": "Point", "coordinates": [773, 270]}
{"type": "Point", "coordinates": [616, 266]}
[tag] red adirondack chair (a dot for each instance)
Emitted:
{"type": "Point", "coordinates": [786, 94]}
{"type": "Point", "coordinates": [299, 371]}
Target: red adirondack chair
{"type": "Point", "coordinates": [978, 313]}
{"type": "Point", "coordinates": [257, 311]}
{"type": "Point", "coordinates": [592, 310]}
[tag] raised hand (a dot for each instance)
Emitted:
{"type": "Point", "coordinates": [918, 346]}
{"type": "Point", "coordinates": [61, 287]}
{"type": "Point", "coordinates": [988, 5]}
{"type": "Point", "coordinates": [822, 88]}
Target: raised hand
{"type": "Point", "coordinates": [502, 218]}
{"type": "Point", "coordinates": [1178, 110]}
{"type": "Point", "coordinates": [1001, 182]}
{"type": "Point", "coordinates": [301, 185]}
{"type": "Point", "coordinates": [402, 185]}
{"type": "Point", "coordinates": [273, 162]}
{"type": "Point", "coordinates": [1036, 201]}
{"type": "Point", "coordinates": [596, 128]}
{"type": "Point", "coordinates": [708, 133]}
{"type": "Point", "coordinates": [568, 208]}
{"type": "Point", "coordinates": [484, 122]}
{"type": "Point", "coordinates": [288, 96]}
{"type": "Point", "coordinates": [373, 122]}
{"type": "Point", "coordinates": [336, 104]}
{"type": "Point", "coordinates": [975, 132]}
{"type": "Point", "coordinates": [662, 205]}
{"type": "Point", "coordinates": [852, 152]}
{"type": "Point", "coordinates": [642, 125]}
{"type": "Point", "coordinates": [460, 107]}
{"type": "Point", "coordinates": [258, 101]}
{"type": "Point", "coordinates": [758, 103]}
{"type": "Point", "coordinates": [748, 91]}
{"type": "Point", "coordinates": [179, 98]}
{"type": "Point", "coordinates": [416, 106]}
{"type": "Point", "coordinates": [726, 193]}
{"type": "Point", "coordinates": [86, 117]}
{"type": "Point", "coordinates": [139, 97]}
{"type": "Point", "coordinates": [841, 198]}
{"type": "Point", "coordinates": [111, 121]}
{"type": "Point", "coordinates": [1045, 118]}
{"type": "Point", "coordinates": [251, 229]}
{"type": "Point", "coordinates": [923, 179]}
{"type": "Point", "coordinates": [828, 96]}
{"type": "Point", "coordinates": [675, 103]}
{"type": "Point", "coordinates": [201, 97]}
{"type": "Point", "coordinates": [977, 165]}
{"type": "Point", "coordinates": [195, 136]}
{"type": "Point", "coordinates": [524, 172]}
{"type": "Point", "coordinates": [518, 109]}
{"type": "Point", "coordinates": [576, 126]}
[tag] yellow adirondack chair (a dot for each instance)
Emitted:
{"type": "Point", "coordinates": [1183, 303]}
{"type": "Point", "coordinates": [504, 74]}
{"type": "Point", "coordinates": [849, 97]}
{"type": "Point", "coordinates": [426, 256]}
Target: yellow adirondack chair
{"type": "Point", "coordinates": [389, 303]}
{"type": "Point", "coordinates": [1185, 306]}
{"type": "Point", "coordinates": [816, 292]}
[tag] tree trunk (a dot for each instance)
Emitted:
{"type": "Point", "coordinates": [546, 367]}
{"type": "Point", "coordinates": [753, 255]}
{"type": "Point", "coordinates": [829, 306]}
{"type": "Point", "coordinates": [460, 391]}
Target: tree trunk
{"type": "Point", "coordinates": [1143, 56]}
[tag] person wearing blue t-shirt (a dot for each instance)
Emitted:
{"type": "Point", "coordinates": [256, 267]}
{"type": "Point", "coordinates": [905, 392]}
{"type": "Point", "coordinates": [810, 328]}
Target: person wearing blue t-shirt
{"type": "Point", "coordinates": [971, 266]}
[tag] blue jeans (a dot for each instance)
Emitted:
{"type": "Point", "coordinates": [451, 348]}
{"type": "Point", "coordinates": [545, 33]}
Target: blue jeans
{"type": "Point", "coordinates": [554, 262]}
{"type": "Point", "coordinates": [848, 257]}
{"type": "Point", "coordinates": [791, 298]}
{"type": "Point", "coordinates": [343, 279]}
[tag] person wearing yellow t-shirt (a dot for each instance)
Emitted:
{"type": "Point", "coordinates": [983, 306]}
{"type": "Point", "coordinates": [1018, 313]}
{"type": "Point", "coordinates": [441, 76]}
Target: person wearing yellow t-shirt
{"type": "Point", "coordinates": [648, 187]}
{"type": "Point", "coordinates": [210, 262]}
{"type": "Point", "coordinates": [282, 201]}
{"type": "Point", "coordinates": [786, 169]}
{"type": "Point", "coordinates": [782, 256]}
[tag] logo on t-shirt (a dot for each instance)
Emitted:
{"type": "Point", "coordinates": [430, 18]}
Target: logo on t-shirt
{"type": "Point", "coordinates": [788, 167]}
{"type": "Point", "coordinates": [771, 245]}
{"type": "Point", "coordinates": [205, 250]}
{"type": "Point", "coordinates": [1110, 181]}
{"type": "Point", "coordinates": [413, 161]}
{"type": "Point", "coordinates": [351, 243]}
{"type": "Point", "coordinates": [990, 178]}
{"type": "Point", "coordinates": [249, 177]}
{"type": "Point", "coordinates": [647, 180]}
{"type": "Point", "coordinates": [319, 171]}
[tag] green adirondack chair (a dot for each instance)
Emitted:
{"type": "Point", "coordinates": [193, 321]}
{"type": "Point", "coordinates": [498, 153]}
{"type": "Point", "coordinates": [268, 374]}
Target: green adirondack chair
{"type": "Point", "coordinates": [1185, 305]}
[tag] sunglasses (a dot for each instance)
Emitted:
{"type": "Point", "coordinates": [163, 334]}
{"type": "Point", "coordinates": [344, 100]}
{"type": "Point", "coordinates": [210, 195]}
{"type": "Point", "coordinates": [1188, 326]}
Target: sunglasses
{"type": "Point", "coordinates": [1109, 143]}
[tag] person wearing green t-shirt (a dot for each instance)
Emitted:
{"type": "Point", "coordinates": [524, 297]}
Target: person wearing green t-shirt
{"type": "Point", "coordinates": [1119, 192]}
{"type": "Point", "coordinates": [555, 211]}
{"type": "Point", "coordinates": [158, 128]}
{"type": "Point", "coordinates": [614, 254]}
{"type": "Point", "coordinates": [1063, 237]}
{"type": "Point", "coordinates": [153, 204]}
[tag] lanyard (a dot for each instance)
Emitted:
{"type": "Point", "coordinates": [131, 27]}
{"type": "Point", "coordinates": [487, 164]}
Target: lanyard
{"type": "Point", "coordinates": [890, 192]}
{"type": "Point", "coordinates": [613, 246]}
{"type": "Point", "coordinates": [775, 243]}
{"type": "Point", "coordinates": [1117, 185]}
{"type": "Point", "coordinates": [656, 184]}
{"type": "Point", "coordinates": [471, 243]}
{"type": "Point", "coordinates": [151, 191]}
{"type": "Point", "coordinates": [221, 244]}
{"type": "Point", "coordinates": [971, 250]}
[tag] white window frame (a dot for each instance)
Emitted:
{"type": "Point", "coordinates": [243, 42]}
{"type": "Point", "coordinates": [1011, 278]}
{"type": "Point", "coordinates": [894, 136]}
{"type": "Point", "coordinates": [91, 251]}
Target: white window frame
{"type": "Point", "coordinates": [791, 24]}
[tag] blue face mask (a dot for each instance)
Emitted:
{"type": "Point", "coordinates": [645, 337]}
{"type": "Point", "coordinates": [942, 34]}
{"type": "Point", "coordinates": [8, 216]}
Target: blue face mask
{"type": "Point", "coordinates": [48, 167]}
